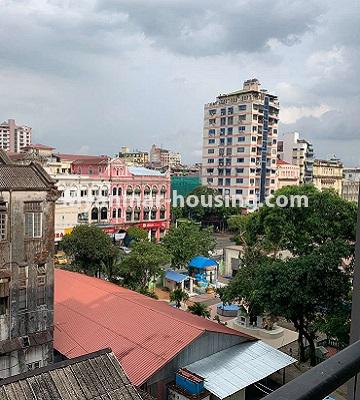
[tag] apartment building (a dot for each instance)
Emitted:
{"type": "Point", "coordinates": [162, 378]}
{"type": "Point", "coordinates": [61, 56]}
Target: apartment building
{"type": "Point", "coordinates": [328, 174]}
{"type": "Point", "coordinates": [287, 174]}
{"type": "Point", "coordinates": [351, 184]}
{"type": "Point", "coordinates": [13, 137]}
{"type": "Point", "coordinates": [297, 151]}
{"type": "Point", "coordinates": [27, 206]}
{"type": "Point", "coordinates": [160, 157]}
{"type": "Point", "coordinates": [240, 143]}
{"type": "Point", "coordinates": [136, 157]}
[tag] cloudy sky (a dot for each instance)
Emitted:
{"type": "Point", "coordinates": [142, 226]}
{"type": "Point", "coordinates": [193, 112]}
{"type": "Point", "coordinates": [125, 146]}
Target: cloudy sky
{"type": "Point", "coordinates": [93, 75]}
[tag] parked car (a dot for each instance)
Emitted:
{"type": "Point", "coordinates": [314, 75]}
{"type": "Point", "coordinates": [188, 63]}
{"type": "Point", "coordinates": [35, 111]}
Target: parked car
{"type": "Point", "coordinates": [60, 258]}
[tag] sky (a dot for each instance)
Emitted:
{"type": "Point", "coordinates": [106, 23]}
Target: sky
{"type": "Point", "coordinates": [91, 76]}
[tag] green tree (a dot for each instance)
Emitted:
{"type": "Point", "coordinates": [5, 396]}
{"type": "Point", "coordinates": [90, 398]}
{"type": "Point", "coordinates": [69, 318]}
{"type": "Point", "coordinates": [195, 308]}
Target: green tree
{"type": "Point", "coordinates": [187, 241]}
{"type": "Point", "coordinates": [310, 287]}
{"type": "Point", "coordinates": [199, 309]}
{"type": "Point", "coordinates": [213, 212]}
{"type": "Point", "coordinates": [179, 296]}
{"type": "Point", "coordinates": [111, 266]}
{"type": "Point", "coordinates": [88, 247]}
{"type": "Point", "coordinates": [144, 263]}
{"type": "Point", "coordinates": [137, 234]}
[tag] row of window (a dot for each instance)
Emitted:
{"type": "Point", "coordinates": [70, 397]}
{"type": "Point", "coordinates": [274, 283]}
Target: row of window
{"type": "Point", "coordinates": [241, 160]}
{"type": "Point", "coordinates": [241, 128]}
{"type": "Point", "coordinates": [22, 299]}
{"type": "Point", "coordinates": [229, 110]}
{"type": "Point", "coordinates": [32, 220]}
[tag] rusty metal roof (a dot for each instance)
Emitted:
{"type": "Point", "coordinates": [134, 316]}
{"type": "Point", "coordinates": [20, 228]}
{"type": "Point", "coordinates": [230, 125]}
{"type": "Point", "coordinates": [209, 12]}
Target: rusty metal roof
{"type": "Point", "coordinates": [145, 334]}
{"type": "Point", "coordinates": [22, 177]}
{"type": "Point", "coordinates": [93, 376]}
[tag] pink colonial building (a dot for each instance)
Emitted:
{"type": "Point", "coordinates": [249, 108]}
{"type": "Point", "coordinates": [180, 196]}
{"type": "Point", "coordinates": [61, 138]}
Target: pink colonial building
{"type": "Point", "coordinates": [287, 174]}
{"type": "Point", "coordinates": [137, 196]}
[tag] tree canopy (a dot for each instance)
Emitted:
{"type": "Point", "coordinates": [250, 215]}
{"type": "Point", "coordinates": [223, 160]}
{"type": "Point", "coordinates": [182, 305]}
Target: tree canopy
{"type": "Point", "coordinates": [187, 241]}
{"type": "Point", "coordinates": [309, 287]}
{"type": "Point", "coordinates": [88, 247]}
{"type": "Point", "coordinates": [145, 262]}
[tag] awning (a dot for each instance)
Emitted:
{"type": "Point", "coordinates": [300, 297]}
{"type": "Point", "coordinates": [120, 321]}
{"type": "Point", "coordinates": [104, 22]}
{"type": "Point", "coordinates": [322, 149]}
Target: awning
{"type": "Point", "coordinates": [175, 276]}
{"type": "Point", "coordinates": [202, 262]}
{"type": "Point", "coordinates": [237, 367]}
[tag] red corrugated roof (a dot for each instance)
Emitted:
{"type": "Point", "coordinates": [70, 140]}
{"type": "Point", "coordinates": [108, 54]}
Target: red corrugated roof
{"type": "Point", "coordinates": [282, 162]}
{"type": "Point", "coordinates": [145, 334]}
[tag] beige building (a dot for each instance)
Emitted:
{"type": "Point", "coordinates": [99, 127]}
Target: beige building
{"type": "Point", "coordinates": [328, 174]}
{"type": "Point", "coordinates": [136, 157]}
{"type": "Point", "coordinates": [287, 174]}
{"type": "Point", "coordinates": [13, 137]}
{"type": "Point", "coordinates": [240, 143]}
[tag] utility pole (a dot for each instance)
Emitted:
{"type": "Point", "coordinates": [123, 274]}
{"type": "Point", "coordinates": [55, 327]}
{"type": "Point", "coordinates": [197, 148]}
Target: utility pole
{"type": "Point", "coordinates": [354, 384]}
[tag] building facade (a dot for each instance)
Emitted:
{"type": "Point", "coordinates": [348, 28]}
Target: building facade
{"type": "Point", "coordinates": [136, 157]}
{"type": "Point", "coordinates": [106, 191]}
{"type": "Point", "coordinates": [299, 152]}
{"type": "Point", "coordinates": [160, 157]}
{"type": "Point", "coordinates": [27, 206]}
{"type": "Point", "coordinates": [351, 184]}
{"type": "Point", "coordinates": [13, 137]}
{"type": "Point", "coordinates": [287, 174]}
{"type": "Point", "coordinates": [328, 174]}
{"type": "Point", "coordinates": [240, 143]}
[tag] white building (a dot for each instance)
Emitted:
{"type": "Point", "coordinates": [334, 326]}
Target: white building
{"type": "Point", "coordinates": [240, 143]}
{"type": "Point", "coordinates": [299, 152]}
{"type": "Point", "coordinates": [14, 138]}
{"type": "Point", "coordinates": [351, 184]}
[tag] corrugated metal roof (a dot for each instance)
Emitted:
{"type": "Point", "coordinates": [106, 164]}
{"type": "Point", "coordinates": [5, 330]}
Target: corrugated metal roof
{"type": "Point", "coordinates": [175, 276]}
{"type": "Point", "coordinates": [237, 367]}
{"type": "Point", "coordinates": [145, 334]}
{"type": "Point", "coordinates": [202, 262]}
{"type": "Point", "coordinates": [144, 171]}
{"type": "Point", "coordinates": [94, 376]}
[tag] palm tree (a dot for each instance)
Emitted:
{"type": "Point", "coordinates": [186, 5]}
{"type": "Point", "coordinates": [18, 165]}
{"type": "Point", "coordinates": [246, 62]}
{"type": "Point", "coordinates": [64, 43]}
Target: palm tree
{"type": "Point", "coordinates": [179, 296]}
{"type": "Point", "coordinates": [111, 267]}
{"type": "Point", "coordinates": [199, 309]}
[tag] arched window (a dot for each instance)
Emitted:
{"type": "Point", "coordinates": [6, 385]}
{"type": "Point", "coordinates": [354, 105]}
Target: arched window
{"type": "Point", "coordinates": [129, 214]}
{"type": "Point", "coordinates": [147, 190]}
{"type": "Point", "coordinates": [154, 191]}
{"type": "Point", "coordinates": [119, 191]}
{"type": "Point", "coordinates": [103, 213]}
{"type": "Point", "coordinates": [153, 212]}
{"type": "Point", "coordinates": [137, 190]}
{"type": "Point", "coordinates": [163, 190]}
{"type": "Point", "coordinates": [146, 213]}
{"type": "Point", "coordinates": [94, 214]}
{"type": "Point", "coordinates": [114, 213]}
{"type": "Point", "coordinates": [114, 191]}
{"type": "Point", "coordinates": [162, 212]}
{"type": "Point", "coordinates": [137, 212]}
{"type": "Point", "coordinates": [129, 190]}
{"type": "Point", "coordinates": [119, 212]}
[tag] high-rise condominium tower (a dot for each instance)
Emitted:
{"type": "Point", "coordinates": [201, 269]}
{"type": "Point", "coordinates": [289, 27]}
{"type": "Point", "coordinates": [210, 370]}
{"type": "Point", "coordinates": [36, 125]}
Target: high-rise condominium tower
{"type": "Point", "coordinates": [14, 137]}
{"type": "Point", "coordinates": [240, 143]}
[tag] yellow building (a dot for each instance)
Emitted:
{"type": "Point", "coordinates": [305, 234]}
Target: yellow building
{"type": "Point", "coordinates": [136, 158]}
{"type": "Point", "coordinates": [328, 174]}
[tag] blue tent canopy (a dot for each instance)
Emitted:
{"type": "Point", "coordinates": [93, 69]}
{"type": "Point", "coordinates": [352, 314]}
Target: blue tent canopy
{"type": "Point", "coordinates": [175, 276]}
{"type": "Point", "coordinates": [202, 262]}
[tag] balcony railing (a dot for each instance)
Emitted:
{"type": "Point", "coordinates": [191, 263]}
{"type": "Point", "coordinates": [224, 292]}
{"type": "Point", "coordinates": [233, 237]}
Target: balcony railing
{"type": "Point", "coordinates": [326, 377]}
{"type": "Point", "coordinates": [323, 379]}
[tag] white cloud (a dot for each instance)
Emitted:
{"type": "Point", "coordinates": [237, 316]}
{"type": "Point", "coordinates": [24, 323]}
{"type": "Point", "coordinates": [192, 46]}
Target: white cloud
{"type": "Point", "coordinates": [289, 115]}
